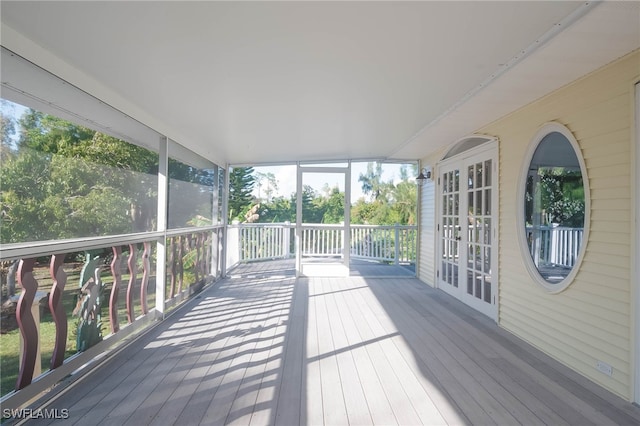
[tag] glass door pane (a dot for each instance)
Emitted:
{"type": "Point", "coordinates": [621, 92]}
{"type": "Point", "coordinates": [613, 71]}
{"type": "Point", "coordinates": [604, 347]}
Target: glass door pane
{"type": "Point", "coordinates": [479, 234]}
{"type": "Point", "coordinates": [450, 229]}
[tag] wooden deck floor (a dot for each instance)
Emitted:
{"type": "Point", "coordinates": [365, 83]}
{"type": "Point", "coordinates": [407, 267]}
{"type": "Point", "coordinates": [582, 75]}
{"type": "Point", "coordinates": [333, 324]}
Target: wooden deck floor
{"type": "Point", "coordinates": [275, 350]}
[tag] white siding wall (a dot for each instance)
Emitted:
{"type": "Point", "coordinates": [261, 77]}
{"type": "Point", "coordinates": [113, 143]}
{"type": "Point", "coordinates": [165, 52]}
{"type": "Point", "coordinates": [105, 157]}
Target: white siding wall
{"type": "Point", "coordinates": [426, 263]}
{"type": "Point", "coordinates": [591, 321]}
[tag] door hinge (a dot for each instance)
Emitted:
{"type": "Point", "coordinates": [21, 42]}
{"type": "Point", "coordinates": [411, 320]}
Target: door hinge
{"type": "Point", "coordinates": [437, 274]}
{"type": "Point", "coordinates": [438, 227]}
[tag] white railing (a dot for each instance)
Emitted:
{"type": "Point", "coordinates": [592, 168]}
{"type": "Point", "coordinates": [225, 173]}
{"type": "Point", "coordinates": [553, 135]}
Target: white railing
{"type": "Point", "coordinates": [393, 243]}
{"type": "Point", "coordinates": [254, 242]}
{"type": "Point", "coordinates": [264, 241]}
{"type": "Point", "coordinates": [554, 245]}
{"type": "Point", "coordinates": [319, 240]}
{"type": "Point", "coordinates": [125, 284]}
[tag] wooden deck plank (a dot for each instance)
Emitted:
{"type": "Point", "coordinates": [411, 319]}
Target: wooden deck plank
{"type": "Point", "coordinates": [187, 388]}
{"type": "Point", "coordinates": [214, 379]}
{"type": "Point", "coordinates": [264, 410]}
{"type": "Point", "coordinates": [358, 412]}
{"type": "Point", "coordinates": [565, 408]}
{"type": "Point", "coordinates": [333, 403]}
{"type": "Point", "coordinates": [222, 322]}
{"type": "Point", "coordinates": [517, 399]}
{"type": "Point", "coordinates": [442, 372]}
{"type": "Point", "coordinates": [273, 349]}
{"type": "Point", "coordinates": [420, 392]}
{"type": "Point", "coordinates": [244, 402]}
{"type": "Point", "coordinates": [313, 412]}
{"type": "Point", "coordinates": [240, 369]}
{"type": "Point", "coordinates": [112, 375]}
{"type": "Point", "coordinates": [289, 407]}
{"type": "Point", "coordinates": [369, 330]}
{"type": "Point", "coordinates": [554, 386]}
{"type": "Point", "coordinates": [169, 397]}
{"type": "Point", "coordinates": [430, 390]}
{"type": "Point", "coordinates": [378, 404]}
{"type": "Point", "coordinates": [129, 392]}
{"type": "Point", "coordinates": [485, 391]}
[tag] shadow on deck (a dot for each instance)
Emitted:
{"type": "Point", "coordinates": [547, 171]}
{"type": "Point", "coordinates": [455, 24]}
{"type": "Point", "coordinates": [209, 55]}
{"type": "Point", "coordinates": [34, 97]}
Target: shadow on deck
{"type": "Point", "coordinates": [287, 268]}
{"type": "Point", "coordinates": [263, 347]}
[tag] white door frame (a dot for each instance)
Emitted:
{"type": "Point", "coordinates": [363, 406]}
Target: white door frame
{"type": "Point", "coordinates": [486, 151]}
{"type": "Point", "coordinates": [321, 269]}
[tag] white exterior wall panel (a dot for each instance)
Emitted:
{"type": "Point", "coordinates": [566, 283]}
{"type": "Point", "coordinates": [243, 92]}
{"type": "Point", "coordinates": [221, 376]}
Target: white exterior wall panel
{"type": "Point", "coordinates": [426, 270]}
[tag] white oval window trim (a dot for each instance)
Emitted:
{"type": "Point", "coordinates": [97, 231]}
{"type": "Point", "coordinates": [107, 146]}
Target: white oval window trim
{"type": "Point", "coordinates": [546, 129]}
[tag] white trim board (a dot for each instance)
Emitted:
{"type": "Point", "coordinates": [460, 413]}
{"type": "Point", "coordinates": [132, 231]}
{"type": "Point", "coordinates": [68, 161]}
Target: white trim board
{"type": "Point", "coordinates": [636, 274]}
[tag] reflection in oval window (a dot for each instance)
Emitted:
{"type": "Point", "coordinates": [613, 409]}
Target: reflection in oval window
{"type": "Point", "coordinates": [554, 207]}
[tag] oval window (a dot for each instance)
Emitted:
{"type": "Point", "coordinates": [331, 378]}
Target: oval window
{"type": "Point", "coordinates": [555, 207]}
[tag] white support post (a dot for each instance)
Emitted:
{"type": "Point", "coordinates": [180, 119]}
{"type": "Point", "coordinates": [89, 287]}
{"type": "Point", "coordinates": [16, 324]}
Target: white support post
{"type": "Point", "coordinates": [286, 232]}
{"type": "Point", "coordinates": [397, 245]}
{"type": "Point", "coordinates": [225, 222]}
{"type": "Point", "coordinates": [161, 244]}
{"type": "Point", "coordinates": [215, 204]}
{"type": "Point", "coordinates": [298, 231]}
{"type": "Point", "coordinates": [343, 236]}
{"type": "Point", "coordinates": [347, 218]}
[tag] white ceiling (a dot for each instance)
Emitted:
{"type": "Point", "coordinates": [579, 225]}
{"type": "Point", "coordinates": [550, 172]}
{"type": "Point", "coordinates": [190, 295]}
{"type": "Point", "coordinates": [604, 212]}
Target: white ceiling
{"type": "Point", "coordinates": [270, 82]}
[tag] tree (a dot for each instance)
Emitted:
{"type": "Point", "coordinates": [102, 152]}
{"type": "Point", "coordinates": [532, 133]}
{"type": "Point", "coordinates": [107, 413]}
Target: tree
{"type": "Point", "coordinates": [372, 183]}
{"type": "Point", "coordinates": [333, 206]}
{"type": "Point", "coordinates": [278, 210]}
{"type": "Point", "coordinates": [63, 180]}
{"type": "Point", "coordinates": [405, 199]}
{"type": "Point", "coordinates": [363, 213]}
{"type": "Point", "coordinates": [311, 208]}
{"type": "Point", "coordinates": [389, 204]}
{"type": "Point", "coordinates": [241, 182]}
{"type": "Point", "coordinates": [561, 194]}
{"type": "Point", "coordinates": [8, 129]}
{"type": "Point", "coordinates": [267, 181]}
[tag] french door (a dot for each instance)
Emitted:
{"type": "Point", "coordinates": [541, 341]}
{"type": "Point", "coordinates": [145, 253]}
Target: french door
{"type": "Point", "coordinates": [467, 228]}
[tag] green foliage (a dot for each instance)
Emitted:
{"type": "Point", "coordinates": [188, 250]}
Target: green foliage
{"type": "Point", "coordinates": [388, 203]}
{"type": "Point", "coordinates": [61, 180]}
{"type": "Point", "coordinates": [311, 207]}
{"type": "Point", "coordinates": [278, 210]}
{"type": "Point", "coordinates": [8, 130]}
{"type": "Point", "coordinates": [363, 212]}
{"type": "Point", "coordinates": [563, 197]}
{"type": "Point", "coordinates": [371, 181]}
{"type": "Point", "coordinates": [561, 193]}
{"type": "Point", "coordinates": [241, 182]}
{"type": "Point", "coordinates": [48, 134]}
{"type": "Point", "coordinates": [332, 207]}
